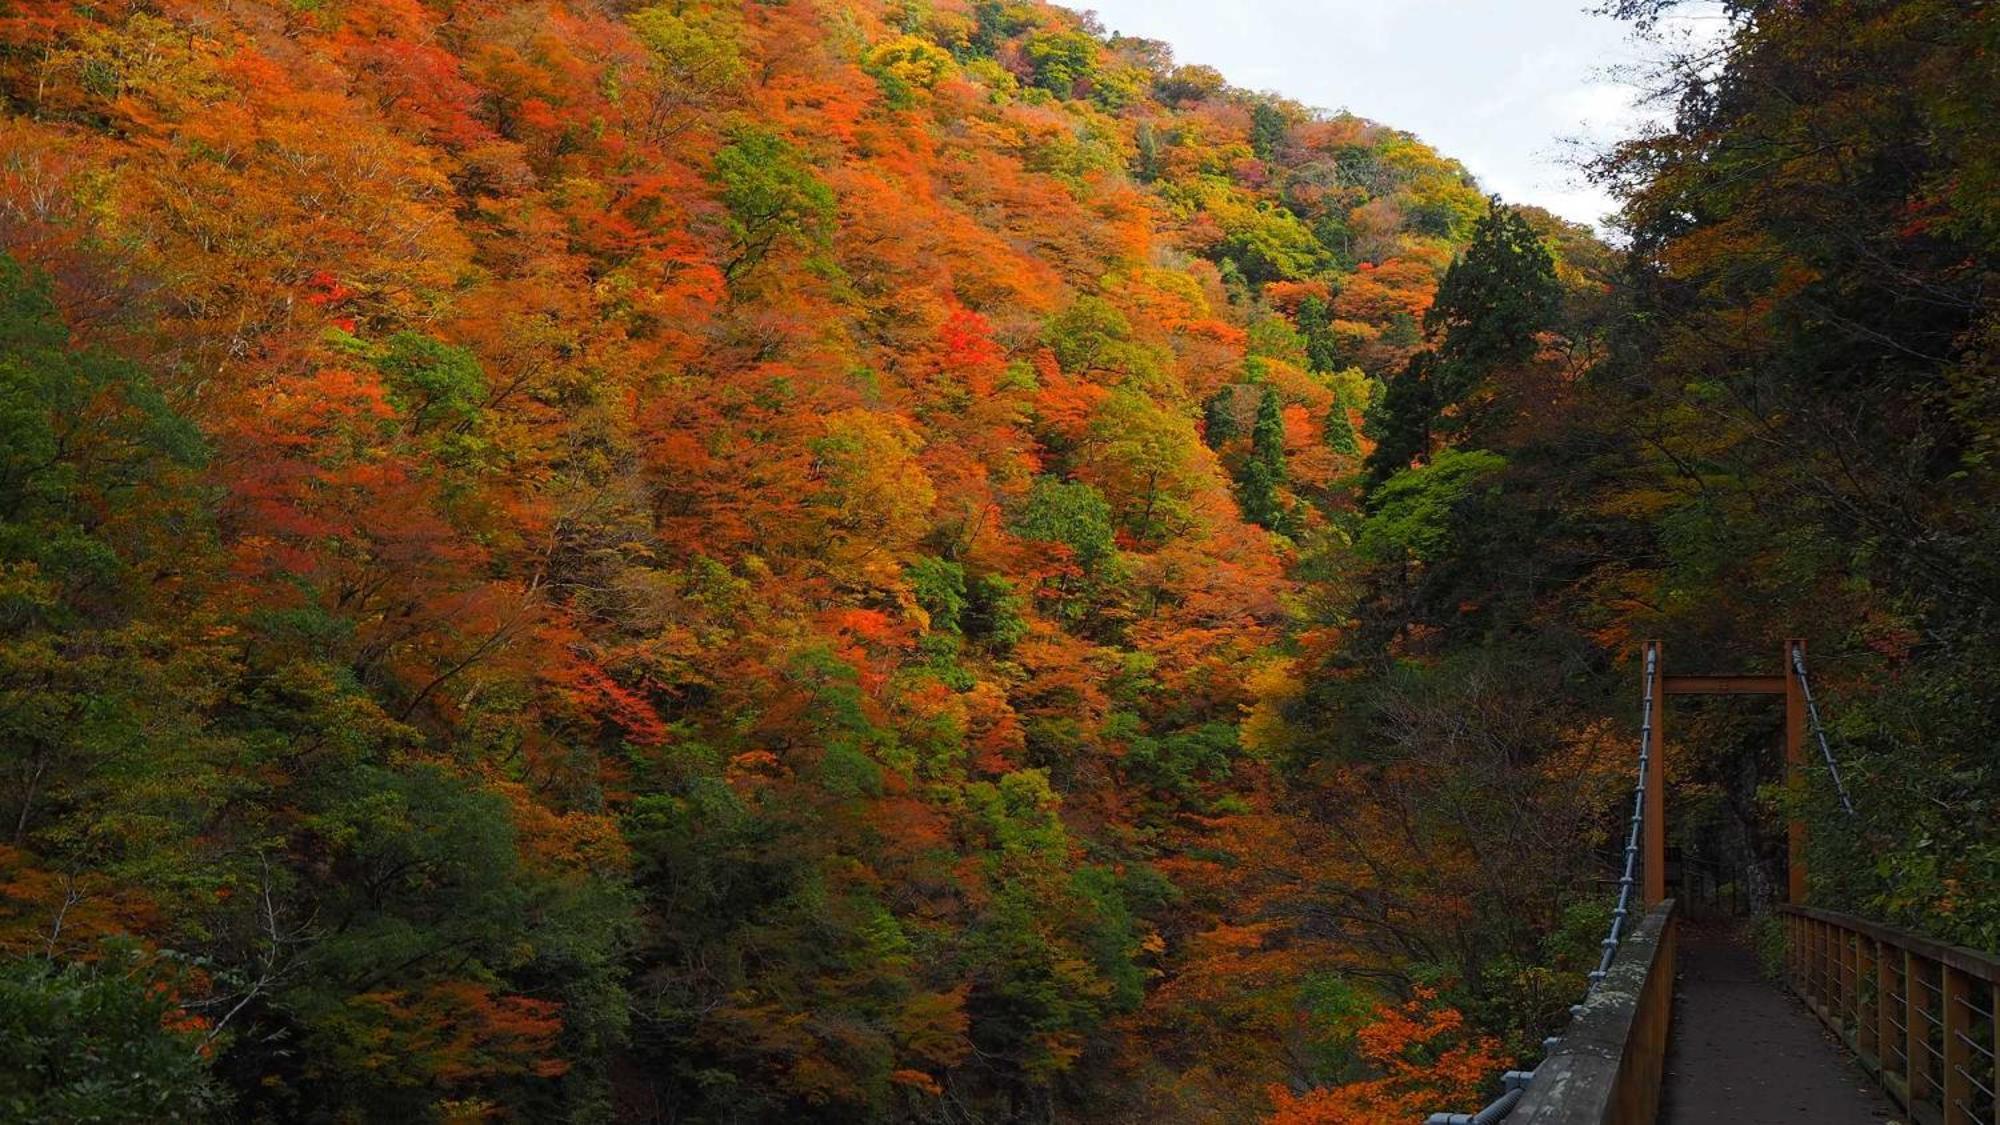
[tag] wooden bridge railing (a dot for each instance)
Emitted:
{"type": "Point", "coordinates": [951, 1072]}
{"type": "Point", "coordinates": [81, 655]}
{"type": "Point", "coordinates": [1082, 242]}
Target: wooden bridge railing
{"type": "Point", "coordinates": [1608, 1066]}
{"type": "Point", "coordinates": [1920, 1014]}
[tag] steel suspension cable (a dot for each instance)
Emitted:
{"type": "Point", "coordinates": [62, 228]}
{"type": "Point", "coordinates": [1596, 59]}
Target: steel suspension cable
{"type": "Point", "coordinates": [1517, 1081]}
{"type": "Point", "coordinates": [1819, 732]}
{"type": "Point", "coordinates": [1629, 879]}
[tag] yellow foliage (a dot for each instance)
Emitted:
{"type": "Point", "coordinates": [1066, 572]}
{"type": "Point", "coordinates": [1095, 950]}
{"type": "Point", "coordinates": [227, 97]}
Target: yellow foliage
{"type": "Point", "coordinates": [1265, 731]}
{"type": "Point", "coordinates": [881, 495]}
{"type": "Point", "coordinates": [910, 60]}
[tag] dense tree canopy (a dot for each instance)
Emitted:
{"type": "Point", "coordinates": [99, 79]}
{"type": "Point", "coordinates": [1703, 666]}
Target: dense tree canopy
{"type": "Point", "coordinates": [913, 561]}
{"type": "Point", "coordinates": [662, 563]}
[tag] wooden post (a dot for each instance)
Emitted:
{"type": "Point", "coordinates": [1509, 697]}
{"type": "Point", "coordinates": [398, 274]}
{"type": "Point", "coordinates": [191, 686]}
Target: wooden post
{"type": "Point", "coordinates": [1799, 953]}
{"type": "Point", "coordinates": [1809, 970]}
{"type": "Point", "coordinates": [1916, 1034]}
{"type": "Point", "coordinates": [1864, 985]}
{"type": "Point", "coordinates": [1850, 979]}
{"type": "Point", "coordinates": [1816, 973]}
{"type": "Point", "coordinates": [1819, 965]}
{"type": "Point", "coordinates": [1795, 755]}
{"type": "Point", "coordinates": [1957, 1021]}
{"type": "Point", "coordinates": [1843, 998]}
{"type": "Point", "coordinates": [1654, 829]}
{"type": "Point", "coordinates": [1885, 1011]}
{"type": "Point", "coordinates": [1869, 1035]}
{"type": "Point", "coordinates": [1812, 963]}
{"type": "Point", "coordinates": [1809, 959]}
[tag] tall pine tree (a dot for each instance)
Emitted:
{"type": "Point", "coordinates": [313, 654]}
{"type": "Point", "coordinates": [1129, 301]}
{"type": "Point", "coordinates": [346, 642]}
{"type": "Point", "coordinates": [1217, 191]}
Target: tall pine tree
{"type": "Point", "coordinates": [1492, 305]}
{"type": "Point", "coordinates": [1264, 470]}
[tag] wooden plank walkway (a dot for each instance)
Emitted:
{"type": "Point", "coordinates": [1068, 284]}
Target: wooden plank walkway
{"type": "Point", "coordinates": [1744, 1052]}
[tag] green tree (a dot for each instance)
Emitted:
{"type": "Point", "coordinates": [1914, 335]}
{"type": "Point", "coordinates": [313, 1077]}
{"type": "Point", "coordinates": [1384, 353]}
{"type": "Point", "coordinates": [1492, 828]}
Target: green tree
{"type": "Point", "coordinates": [1267, 243]}
{"type": "Point", "coordinates": [1219, 417]}
{"type": "Point", "coordinates": [99, 517]}
{"type": "Point", "coordinates": [939, 587]}
{"type": "Point", "coordinates": [1071, 513]}
{"type": "Point", "coordinates": [1275, 337]}
{"type": "Point", "coordinates": [1400, 420]}
{"type": "Point", "coordinates": [1149, 153]}
{"type": "Point", "coordinates": [1263, 472]}
{"type": "Point", "coordinates": [98, 1042]}
{"type": "Point", "coordinates": [1268, 129]}
{"type": "Point", "coordinates": [1061, 60]}
{"type": "Point", "coordinates": [84, 437]}
{"type": "Point", "coordinates": [697, 61]}
{"type": "Point", "coordinates": [1267, 435]}
{"type": "Point", "coordinates": [994, 613]}
{"type": "Point", "coordinates": [996, 21]}
{"type": "Point", "coordinates": [773, 196]}
{"type": "Point", "coordinates": [1340, 436]}
{"type": "Point", "coordinates": [1412, 517]}
{"type": "Point", "coordinates": [1145, 463]}
{"type": "Point", "coordinates": [1093, 335]}
{"type": "Point", "coordinates": [1490, 311]}
{"type": "Point", "coordinates": [1315, 324]}
{"type": "Point", "coordinates": [1054, 950]}
{"type": "Point", "coordinates": [904, 65]}
{"type": "Point", "coordinates": [433, 383]}
{"type": "Point", "coordinates": [1494, 301]}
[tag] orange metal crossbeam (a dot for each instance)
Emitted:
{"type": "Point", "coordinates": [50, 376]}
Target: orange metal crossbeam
{"type": "Point", "coordinates": [1723, 685]}
{"type": "Point", "coordinates": [1654, 823]}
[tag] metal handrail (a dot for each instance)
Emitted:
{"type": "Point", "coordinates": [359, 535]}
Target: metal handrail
{"type": "Point", "coordinates": [1946, 990]}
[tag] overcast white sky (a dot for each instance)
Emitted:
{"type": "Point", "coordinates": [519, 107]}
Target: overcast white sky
{"type": "Point", "coordinates": [1498, 84]}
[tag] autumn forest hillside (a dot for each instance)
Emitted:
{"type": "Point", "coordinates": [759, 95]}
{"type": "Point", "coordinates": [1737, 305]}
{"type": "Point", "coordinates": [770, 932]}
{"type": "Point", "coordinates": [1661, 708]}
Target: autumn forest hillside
{"type": "Point", "coordinates": [811, 561]}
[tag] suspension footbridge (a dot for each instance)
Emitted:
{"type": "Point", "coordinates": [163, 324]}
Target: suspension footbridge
{"type": "Point", "coordinates": [1680, 1024]}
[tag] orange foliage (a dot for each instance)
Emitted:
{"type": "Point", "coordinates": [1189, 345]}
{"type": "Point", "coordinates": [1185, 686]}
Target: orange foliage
{"type": "Point", "coordinates": [659, 530]}
{"type": "Point", "coordinates": [1426, 1061]}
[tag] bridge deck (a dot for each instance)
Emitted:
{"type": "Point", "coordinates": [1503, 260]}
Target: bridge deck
{"type": "Point", "coordinates": [1744, 1051]}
